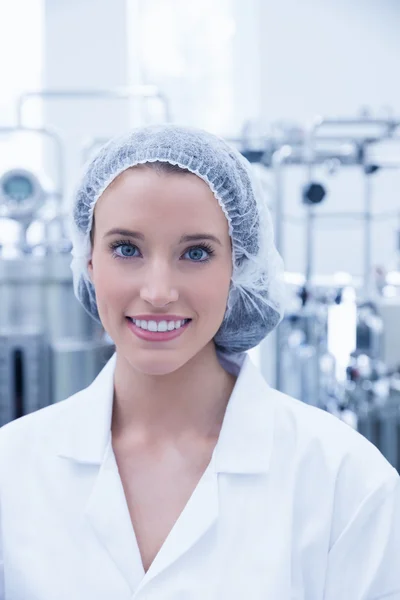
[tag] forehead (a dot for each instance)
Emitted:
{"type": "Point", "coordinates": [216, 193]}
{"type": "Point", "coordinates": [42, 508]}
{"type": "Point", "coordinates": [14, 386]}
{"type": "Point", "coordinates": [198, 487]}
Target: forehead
{"type": "Point", "coordinates": [143, 194]}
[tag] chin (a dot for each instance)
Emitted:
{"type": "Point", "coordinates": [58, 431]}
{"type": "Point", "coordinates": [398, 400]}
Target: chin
{"type": "Point", "coordinates": [152, 363]}
{"type": "Point", "coordinates": [157, 361]}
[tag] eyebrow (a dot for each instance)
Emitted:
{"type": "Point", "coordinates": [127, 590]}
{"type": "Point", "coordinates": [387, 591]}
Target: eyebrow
{"type": "Point", "coordinates": [194, 237]}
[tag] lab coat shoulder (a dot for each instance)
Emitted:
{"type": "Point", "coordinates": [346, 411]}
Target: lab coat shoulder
{"type": "Point", "coordinates": [68, 427]}
{"type": "Point", "coordinates": [25, 439]}
{"type": "Point", "coordinates": [330, 455]}
{"type": "Point", "coordinates": [339, 474]}
{"type": "Point", "coordinates": [335, 467]}
{"type": "Point", "coordinates": [317, 433]}
{"type": "Point", "coordinates": [23, 445]}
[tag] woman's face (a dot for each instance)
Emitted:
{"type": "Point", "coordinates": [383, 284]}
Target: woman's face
{"type": "Point", "coordinates": [161, 248]}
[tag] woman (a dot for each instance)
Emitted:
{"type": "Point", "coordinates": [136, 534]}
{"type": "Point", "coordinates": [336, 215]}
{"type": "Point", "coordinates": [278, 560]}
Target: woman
{"type": "Point", "coordinates": [179, 473]}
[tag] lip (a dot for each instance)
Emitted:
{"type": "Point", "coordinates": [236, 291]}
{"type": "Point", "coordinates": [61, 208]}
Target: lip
{"type": "Point", "coordinates": [158, 318]}
{"type": "Point", "coordinates": [157, 336]}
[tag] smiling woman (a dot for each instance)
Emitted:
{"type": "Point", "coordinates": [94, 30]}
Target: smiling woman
{"type": "Point", "coordinates": [149, 259]}
{"type": "Point", "coordinates": [179, 473]}
{"type": "Point", "coordinates": [256, 287]}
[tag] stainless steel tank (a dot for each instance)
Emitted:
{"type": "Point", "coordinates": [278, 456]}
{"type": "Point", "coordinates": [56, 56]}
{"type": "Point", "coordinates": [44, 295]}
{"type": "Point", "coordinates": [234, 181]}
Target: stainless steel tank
{"type": "Point", "coordinates": [50, 347]}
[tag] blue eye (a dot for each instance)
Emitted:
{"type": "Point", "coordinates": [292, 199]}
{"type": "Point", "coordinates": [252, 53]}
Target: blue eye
{"type": "Point", "coordinates": [127, 251]}
{"type": "Point", "coordinates": [123, 250]}
{"type": "Point", "coordinates": [200, 253]}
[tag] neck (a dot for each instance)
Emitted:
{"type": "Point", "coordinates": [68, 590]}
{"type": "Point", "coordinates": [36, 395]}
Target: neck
{"type": "Point", "coordinates": [188, 404]}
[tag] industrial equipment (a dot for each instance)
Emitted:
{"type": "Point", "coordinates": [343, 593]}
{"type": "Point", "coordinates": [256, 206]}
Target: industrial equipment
{"type": "Point", "coordinates": [337, 348]}
{"type": "Point", "coordinates": [49, 347]}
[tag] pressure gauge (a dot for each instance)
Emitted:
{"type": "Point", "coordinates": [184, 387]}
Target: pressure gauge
{"type": "Point", "coordinates": [21, 195]}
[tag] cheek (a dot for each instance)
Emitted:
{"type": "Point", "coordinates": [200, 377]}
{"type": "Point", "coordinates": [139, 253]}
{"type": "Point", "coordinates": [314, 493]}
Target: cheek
{"type": "Point", "coordinates": [212, 291]}
{"type": "Point", "coordinates": [111, 287]}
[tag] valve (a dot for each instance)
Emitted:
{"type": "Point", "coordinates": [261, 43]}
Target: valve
{"type": "Point", "coordinates": [313, 193]}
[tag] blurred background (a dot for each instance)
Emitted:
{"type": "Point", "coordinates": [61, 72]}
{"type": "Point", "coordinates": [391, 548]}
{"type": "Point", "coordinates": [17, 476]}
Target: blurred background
{"type": "Point", "coordinates": [307, 91]}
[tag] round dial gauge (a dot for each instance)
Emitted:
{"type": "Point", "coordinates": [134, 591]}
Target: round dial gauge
{"type": "Point", "coordinates": [21, 195]}
{"type": "Point", "coordinates": [18, 188]}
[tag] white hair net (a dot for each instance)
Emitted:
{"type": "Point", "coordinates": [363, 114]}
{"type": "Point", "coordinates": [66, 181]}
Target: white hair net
{"type": "Point", "coordinates": [256, 295]}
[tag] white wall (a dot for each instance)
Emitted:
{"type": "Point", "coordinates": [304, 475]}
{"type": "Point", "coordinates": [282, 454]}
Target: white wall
{"type": "Point", "coordinates": [246, 63]}
{"type": "Point", "coordinates": [289, 60]}
{"type": "Point", "coordinates": [328, 56]}
{"type": "Point", "coordinates": [186, 48]}
{"type": "Point", "coordinates": [20, 69]}
{"type": "Point", "coordinates": [85, 48]}
{"type": "Point", "coordinates": [332, 57]}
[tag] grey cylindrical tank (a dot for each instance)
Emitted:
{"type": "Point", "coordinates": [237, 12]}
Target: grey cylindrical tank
{"type": "Point", "coordinates": [75, 364]}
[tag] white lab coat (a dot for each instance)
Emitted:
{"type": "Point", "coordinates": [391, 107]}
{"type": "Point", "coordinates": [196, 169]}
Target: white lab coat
{"type": "Point", "coordinates": [294, 505]}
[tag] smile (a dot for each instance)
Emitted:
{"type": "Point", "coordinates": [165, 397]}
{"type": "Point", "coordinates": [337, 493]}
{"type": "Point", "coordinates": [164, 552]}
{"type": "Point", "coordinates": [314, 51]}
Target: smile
{"type": "Point", "coordinates": [160, 325]}
{"type": "Point", "coordinates": [161, 331]}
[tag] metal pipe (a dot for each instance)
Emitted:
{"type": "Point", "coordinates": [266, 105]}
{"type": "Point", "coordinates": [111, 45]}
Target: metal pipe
{"type": "Point", "coordinates": [310, 243]}
{"type": "Point", "coordinates": [367, 283]}
{"type": "Point", "coordinates": [310, 155]}
{"type": "Point", "coordinates": [141, 91]}
{"type": "Point", "coordinates": [319, 122]}
{"type": "Point", "coordinates": [278, 160]}
{"type": "Point", "coordinates": [390, 164]}
{"type": "Point", "coordinates": [346, 155]}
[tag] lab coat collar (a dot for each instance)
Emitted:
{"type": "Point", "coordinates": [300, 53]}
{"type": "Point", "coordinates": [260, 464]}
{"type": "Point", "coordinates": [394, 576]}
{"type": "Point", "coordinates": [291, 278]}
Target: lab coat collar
{"type": "Point", "coordinates": [246, 436]}
{"type": "Point", "coordinates": [86, 424]}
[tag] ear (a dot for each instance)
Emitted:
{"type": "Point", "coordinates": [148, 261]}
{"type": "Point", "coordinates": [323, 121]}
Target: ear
{"type": "Point", "coordinates": [90, 269]}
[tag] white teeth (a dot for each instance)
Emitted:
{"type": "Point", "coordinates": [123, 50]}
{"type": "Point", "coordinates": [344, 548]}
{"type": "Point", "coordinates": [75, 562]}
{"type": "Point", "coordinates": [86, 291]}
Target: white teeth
{"type": "Point", "coordinates": [160, 326]}
{"type": "Point", "coordinates": [152, 326]}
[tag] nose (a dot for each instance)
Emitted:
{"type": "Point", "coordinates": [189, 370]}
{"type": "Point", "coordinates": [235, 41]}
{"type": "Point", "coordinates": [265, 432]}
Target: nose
{"type": "Point", "coordinates": [157, 288]}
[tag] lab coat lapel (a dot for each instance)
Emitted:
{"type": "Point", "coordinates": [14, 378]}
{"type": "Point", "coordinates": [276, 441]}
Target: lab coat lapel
{"type": "Point", "coordinates": [108, 514]}
{"type": "Point", "coordinates": [198, 516]}
{"type": "Point", "coordinates": [85, 430]}
{"type": "Point", "coordinates": [85, 438]}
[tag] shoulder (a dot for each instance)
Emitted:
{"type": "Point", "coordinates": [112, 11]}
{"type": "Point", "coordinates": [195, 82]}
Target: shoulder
{"type": "Point", "coordinates": [328, 468]}
{"type": "Point", "coordinates": [41, 431]}
{"type": "Point", "coordinates": [328, 460]}
{"type": "Point", "coordinates": [308, 443]}
{"type": "Point", "coordinates": [315, 432]}
{"type": "Point", "coordinates": [74, 426]}
{"type": "Point", "coordinates": [26, 435]}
